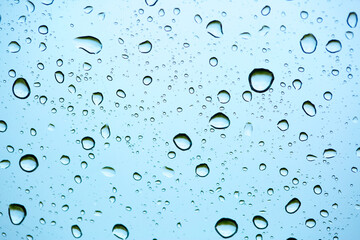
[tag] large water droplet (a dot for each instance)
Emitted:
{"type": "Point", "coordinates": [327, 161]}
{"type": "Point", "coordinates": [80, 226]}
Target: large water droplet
{"type": "Point", "coordinates": [97, 98]}
{"type": "Point", "coordinates": [293, 206]}
{"type": "Point", "coordinates": [309, 108]}
{"type": "Point", "coordinates": [108, 171]}
{"type": "Point", "coordinates": [219, 121]}
{"type": "Point", "coordinates": [59, 77]}
{"type": "Point", "coordinates": [21, 88]}
{"type": "Point", "coordinates": [352, 19]}
{"type": "Point", "coordinates": [182, 141]}
{"type": "Point", "coordinates": [88, 143]}
{"type": "Point", "coordinates": [329, 153]}
{"type": "Point", "coordinates": [76, 231]}
{"type": "Point", "coordinates": [226, 227]}
{"type": "Point", "coordinates": [120, 231]}
{"type": "Point", "coordinates": [202, 170]}
{"type": "Point", "coordinates": [145, 47]}
{"type": "Point", "coordinates": [147, 80]}
{"type": "Point", "coordinates": [17, 213]}
{"type": "Point", "coordinates": [283, 125]}
{"type": "Point", "coordinates": [223, 96]}
{"type": "Point", "coordinates": [28, 163]}
{"type": "Point", "coordinates": [214, 28]}
{"type": "Point", "coordinates": [3, 126]}
{"type": "Point", "coordinates": [105, 131]}
{"type": "Point", "coordinates": [151, 2]}
{"type": "Point", "coordinates": [260, 79]}
{"type": "Point", "coordinates": [333, 46]}
{"type": "Point", "coordinates": [89, 44]}
{"type": "Point", "coordinates": [260, 222]}
{"type": "Point", "coordinates": [308, 43]}
{"type": "Point", "coordinates": [14, 47]}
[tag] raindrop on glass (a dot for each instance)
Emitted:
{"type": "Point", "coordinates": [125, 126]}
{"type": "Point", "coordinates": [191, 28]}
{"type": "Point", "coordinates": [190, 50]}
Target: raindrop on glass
{"type": "Point", "coordinates": [21, 88]}
{"type": "Point", "coordinates": [182, 141]}
{"type": "Point", "coordinates": [292, 206]}
{"type": "Point", "coordinates": [226, 227]}
{"type": "Point", "coordinates": [17, 213]}
{"type": "Point", "coordinates": [260, 79]}
{"type": "Point", "coordinates": [309, 108]}
{"type": "Point", "coordinates": [308, 43]}
{"type": "Point", "coordinates": [214, 28]}
{"type": "Point", "coordinates": [120, 231]}
{"type": "Point", "coordinates": [89, 44]}
{"type": "Point", "coordinates": [219, 121]}
{"type": "Point", "coordinates": [28, 163]}
{"type": "Point", "coordinates": [202, 170]}
{"type": "Point", "coordinates": [145, 47]}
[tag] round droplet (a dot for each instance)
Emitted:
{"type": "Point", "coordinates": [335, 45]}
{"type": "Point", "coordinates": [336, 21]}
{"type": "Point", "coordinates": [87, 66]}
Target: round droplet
{"type": "Point", "coordinates": [137, 176]}
{"type": "Point", "coordinates": [214, 28]}
{"type": "Point", "coordinates": [293, 206]}
{"type": "Point", "coordinates": [202, 170]}
{"type": "Point", "coordinates": [59, 77]}
{"type": "Point", "coordinates": [329, 153]}
{"type": "Point", "coordinates": [310, 223]}
{"type": "Point", "coordinates": [297, 84]}
{"type": "Point", "coordinates": [352, 19]}
{"type": "Point", "coordinates": [260, 79]}
{"type": "Point", "coordinates": [284, 172]}
{"type": "Point", "coordinates": [304, 14]}
{"type": "Point", "coordinates": [145, 47]}
{"type": "Point", "coordinates": [182, 141]}
{"type": "Point", "coordinates": [260, 222]}
{"type": "Point", "coordinates": [65, 160]}
{"type": "Point", "coordinates": [120, 93]}
{"type": "Point", "coordinates": [303, 136]}
{"type": "Point", "coordinates": [198, 19]}
{"type": "Point", "coordinates": [219, 121]}
{"type": "Point", "coordinates": [308, 43]}
{"type": "Point", "coordinates": [223, 96]}
{"type": "Point", "coordinates": [88, 143]}
{"type": "Point", "coordinates": [151, 2]}
{"type": "Point", "coordinates": [317, 189]}
{"type": "Point", "coordinates": [147, 80]}
{"type": "Point", "coordinates": [266, 10]}
{"type": "Point", "coordinates": [226, 227]}
{"type": "Point", "coordinates": [43, 29]}
{"type": "Point", "coordinates": [14, 47]}
{"type": "Point", "coordinates": [120, 231]}
{"type": "Point", "coordinates": [28, 163]}
{"type": "Point", "coordinates": [333, 46]}
{"type": "Point", "coordinates": [327, 96]}
{"type": "Point", "coordinates": [108, 171]}
{"type": "Point", "coordinates": [247, 96]}
{"type": "Point", "coordinates": [76, 231]}
{"type": "Point", "coordinates": [3, 126]}
{"type": "Point", "coordinates": [97, 98]}
{"type": "Point", "coordinates": [324, 213]}
{"type": "Point", "coordinates": [21, 88]}
{"type": "Point", "coordinates": [89, 44]}
{"type": "Point", "coordinates": [105, 131]}
{"type": "Point", "coordinates": [213, 62]}
{"type": "Point", "coordinates": [309, 108]}
{"type": "Point", "coordinates": [283, 125]}
{"type": "Point", "coordinates": [78, 179]}
{"type": "Point", "coordinates": [17, 213]}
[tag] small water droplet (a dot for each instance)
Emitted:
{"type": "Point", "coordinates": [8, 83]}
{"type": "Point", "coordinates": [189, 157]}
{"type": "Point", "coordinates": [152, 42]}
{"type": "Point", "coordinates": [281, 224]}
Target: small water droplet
{"type": "Point", "coordinates": [43, 29]}
{"type": "Point", "coordinates": [65, 160]}
{"type": "Point", "coordinates": [120, 231]}
{"type": "Point", "coordinates": [303, 136]}
{"type": "Point", "coordinates": [182, 141]}
{"type": "Point", "coordinates": [213, 62]}
{"type": "Point", "coordinates": [304, 14]}
{"type": "Point", "coordinates": [219, 121]}
{"type": "Point", "coordinates": [283, 125]}
{"type": "Point", "coordinates": [333, 46]}
{"type": "Point", "coordinates": [247, 96]}
{"type": "Point", "coordinates": [120, 93]}
{"type": "Point", "coordinates": [317, 189]}
{"type": "Point", "coordinates": [59, 77]}
{"type": "Point", "coordinates": [137, 176]}
{"type": "Point", "coordinates": [3, 126]}
{"type": "Point", "coordinates": [4, 164]}
{"type": "Point", "coordinates": [260, 222]}
{"type": "Point", "coordinates": [145, 47]}
{"type": "Point", "coordinates": [28, 163]}
{"type": "Point", "coordinates": [329, 153]}
{"type": "Point", "coordinates": [309, 108]}
{"type": "Point", "coordinates": [17, 213]}
{"type": "Point", "coordinates": [151, 2]}
{"type": "Point", "coordinates": [147, 80]}
{"type": "Point", "coordinates": [198, 19]}
{"type": "Point", "coordinates": [21, 88]}
{"type": "Point", "coordinates": [308, 43]}
{"type": "Point", "coordinates": [97, 98]}
{"type": "Point", "coordinates": [88, 143]}
{"type": "Point", "coordinates": [260, 79]}
{"type": "Point", "coordinates": [223, 96]}
{"type": "Point", "coordinates": [248, 129]}
{"type": "Point", "coordinates": [14, 47]}
{"type": "Point", "coordinates": [297, 84]}
{"type": "Point", "coordinates": [214, 28]}
{"type": "Point", "coordinates": [226, 227]}
{"type": "Point", "coordinates": [310, 223]}
{"type": "Point", "coordinates": [266, 10]}
{"type": "Point", "coordinates": [352, 19]}
{"type": "Point", "coordinates": [76, 231]}
{"type": "Point", "coordinates": [292, 206]}
{"type": "Point", "coordinates": [105, 131]}
{"type": "Point", "coordinates": [108, 171]}
{"type": "Point", "coordinates": [202, 170]}
{"type": "Point", "coordinates": [327, 96]}
{"type": "Point", "coordinates": [89, 44]}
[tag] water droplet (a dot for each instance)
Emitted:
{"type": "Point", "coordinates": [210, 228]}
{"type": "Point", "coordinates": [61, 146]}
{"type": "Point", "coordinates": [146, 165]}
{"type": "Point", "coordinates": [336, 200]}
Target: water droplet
{"type": "Point", "coordinates": [303, 136]}
{"type": "Point", "coordinates": [137, 176]}
{"type": "Point", "coordinates": [76, 231]}
{"type": "Point", "coordinates": [28, 163]}
{"type": "Point", "coordinates": [202, 170]}
{"type": "Point", "coordinates": [317, 189]}
{"type": "Point", "coordinates": [309, 108]}
{"type": "Point", "coordinates": [89, 44]}
{"type": "Point", "coordinates": [284, 172]}
{"type": "Point", "coordinates": [14, 47]}
{"type": "Point", "coordinates": [308, 43]}
{"type": "Point", "coordinates": [247, 96]}
{"type": "Point", "coordinates": [293, 206]}
{"type": "Point", "coordinates": [283, 125]}
{"type": "Point", "coordinates": [168, 172]}
{"type": "Point", "coordinates": [304, 14]}
{"type": "Point", "coordinates": [78, 179]}
{"type": "Point", "coordinates": [120, 231]}
{"type": "Point", "coordinates": [223, 96]}
{"type": "Point", "coordinates": [352, 19]}
{"type": "Point", "coordinates": [88, 9]}
{"type": "Point", "coordinates": [151, 2]}
{"type": "Point", "coordinates": [59, 77]}
{"type": "Point", "coordinates": [65, 159]}
{"type": "Point", "coordinates": [327, 96]}
{"type": "Point", "coordinates": [120, 93]}
{"type": "Point", "coordinates": [213, 62]}
{"type": "Point", "coordinates": [88, 143]}
{"type": "Point", "coordinates": [145, 47]}
{"type": "Point", "coordinates": [297, 84]}
{"type": "Point", "coordinates": [198, 19]}
{"type": "Point", "coordinates": [260, 222]}
{"type": "Point", "coordinates": [97, 98]}
{"type": "Point", "coordinates": [260, 79]}
{"type": "Point", "coordinates": [4, 164]}
{"type": "Point", "coordinates": [3, 126]}
{"type": "Point", "coordinates": [266, 10]}
{"type": "Point", "coordinates": [324, 213]}
{"type": "Point", "coordinates": [17, 213]}
{"type": "Point", "coordinates": [333, 46]}
{"type": "Point", "coordinates": [105, 131]}
{"type": "Point", "coordinates": [43, 29]}
{"type": "Point", "coordinates": [214, 28]}
{"type": "Point", "coordinates": [21, 88]}
{"type": "Point", "coordinates": [310, 223]}
{"type": "Point", "coordinates": [329, 153]}
{"type": "Point", "coordinates": [248, 129]}
{"type": "Point", "coordinates": [226, 227]}
{"type": "Point", "coordinates": [182, 141]}
{"type": "Point", "coordinates": [108, 171]}
{"type": "Point", "coordinates": [147, 80]}
{"type": "Point", "coordinates": [219, 121]}
{"type": "Point", "coordinates": [349, 35]}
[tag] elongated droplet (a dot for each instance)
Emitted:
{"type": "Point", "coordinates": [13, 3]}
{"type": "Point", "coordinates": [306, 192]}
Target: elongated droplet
{"type": "Point", "coordinates": [88, 143]}
{"type": "Point", "coordinates": [310, 223]}
{"type": "Point", "coordinates": [28, 163]}
{"type": "Point", "coordinates": [329, 153]}
{"type": "Point", "coordinates": [120, 231]}
{"type": "Point", "coordinates": [145, 47]}
{"type": "Point", "coordinates": [260, 222]}
{"type": "Point", "coordinates": [214, 28]}
{"type": "Point", "coordinates": [226, 227]}
{"type": "Point", "coordinates": [352, 19]}
{"type": "Point", "coordinates": [333, 46]}
{"type": "Point", "coordinates": [202, 170]}
{"type": "Point", "coordinates": [97, 98]}
{"type": "Point", "coordinates": [308, 43]}
{"type": "Point", "coordinates": [89, 44]}
{"type": "Point", "coordinates": [105, 131]}
{"type": "Point", "coordinates": [108, 171]}
{"type": "Point", "coordinates": [21, 88]}
{"type": "Point", "coordinates": [266, 10]}
{"type": "Point", "coordinates": [309, 108]}
{"type": "Point", "coordinates": [59, 77]}
{"type": "Point", "coordinates": [219, 121]}
{"type": "Point", "coordinates": [292, 206]}
{"type": "Point", "coordinates": [4, 164]}
{"type": "Point", "coordinates": [260, 79]}
{"type": "Point", "coordinates": [182, 141]}
{"type": "Point", "coordinates": [17, 213]}
{"type": "Point", "coordinates": [248, 129]}
{"type": "Point", "coordinates": [14, 47]}
{"type": "Point", "coordinates": [76, 231]}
